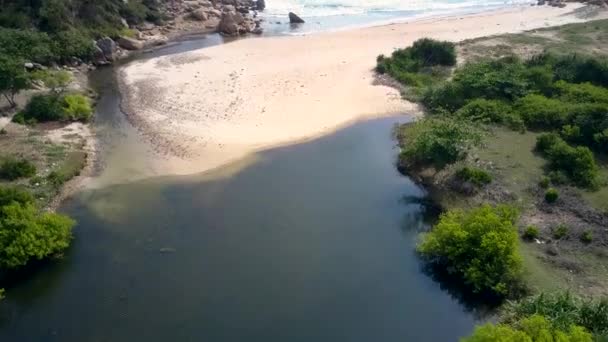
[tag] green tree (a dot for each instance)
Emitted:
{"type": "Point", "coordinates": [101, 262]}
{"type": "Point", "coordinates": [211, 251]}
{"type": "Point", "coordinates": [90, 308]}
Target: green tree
{"type": "Point", "coordinates": [26, 234]}
{"type": "Point", "coordinates": [26, 45]}
{"type": "Point", "coordinates": [13, 78]}
{"type": "Point", "coordinates": [480, 245]}
{"type": "Point", "coordinates": [56, 80]}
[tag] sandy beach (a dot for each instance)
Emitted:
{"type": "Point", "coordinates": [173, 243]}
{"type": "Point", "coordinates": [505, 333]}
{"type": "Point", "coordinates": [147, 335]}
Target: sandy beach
{"type": "Point", "coordinates": [204, 108]}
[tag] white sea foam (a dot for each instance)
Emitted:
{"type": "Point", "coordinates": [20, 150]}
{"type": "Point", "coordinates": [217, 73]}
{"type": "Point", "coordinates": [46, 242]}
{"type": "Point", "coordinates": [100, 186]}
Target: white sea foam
{"type": "Point", "coordinates": [323, 8]}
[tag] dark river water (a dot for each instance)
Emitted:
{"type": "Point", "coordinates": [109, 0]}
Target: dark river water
{"type": "Point", "coordinates": [310, 242]}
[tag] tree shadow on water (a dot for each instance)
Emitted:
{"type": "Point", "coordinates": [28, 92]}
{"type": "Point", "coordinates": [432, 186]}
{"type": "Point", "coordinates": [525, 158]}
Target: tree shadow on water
{"type": "Point", "coordinates": [480, 305]}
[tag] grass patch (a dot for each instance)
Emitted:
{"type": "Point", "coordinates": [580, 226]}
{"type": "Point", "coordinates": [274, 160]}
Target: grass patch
{"type": "Point", "coordinates": [514, 160]}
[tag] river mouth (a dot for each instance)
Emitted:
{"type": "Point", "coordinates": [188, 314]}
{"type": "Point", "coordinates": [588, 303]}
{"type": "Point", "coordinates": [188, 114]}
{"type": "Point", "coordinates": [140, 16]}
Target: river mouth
{"type": "Point", "coordinates": [308, 242]}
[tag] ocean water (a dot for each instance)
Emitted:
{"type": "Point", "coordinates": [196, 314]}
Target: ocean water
{"type": "Point", "coordinates": [325, 15]}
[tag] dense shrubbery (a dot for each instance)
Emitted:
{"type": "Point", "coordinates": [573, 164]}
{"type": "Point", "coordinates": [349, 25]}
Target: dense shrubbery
{"type": "Point", "coordinates": [56, 107]}
{"type": "Point", "coordinates": [535, 328]}
{"type": "Point", "coordinates": [58, 30]}
{"type": "Point", "coordinates": [563, 310]}
{"type": "Point", "coordinates": [565, 94]}
{"type": "Point", "coordinates": [437, 142]}
{"type": "Point", "coordinates": [25, 233]}
{"type": "Point", "coordinates": [474, 175]}
{"type": "Point", "coordinates": [486, 111]}
{"type": "Point", "coordinates": [13, 168]}
{"type": "Point", "coordinates": [479, 245]}
{"type": "Point", "coordinates": [577, 163]}
{"type": "Point", "coordinates": [26, 45]}
{"type": "Point", "coordinates": [420, 64]}
{"type": "Point", "coordinates": [538, 111]}
{"type": "Point", "coordinates": [548, 317]}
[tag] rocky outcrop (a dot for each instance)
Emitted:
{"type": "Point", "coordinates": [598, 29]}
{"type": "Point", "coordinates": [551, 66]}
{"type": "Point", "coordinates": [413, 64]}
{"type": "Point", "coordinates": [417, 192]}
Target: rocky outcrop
{"type": "Point", "coordinates": [294, 19]}
{"type": "Point", "coordinates": [130, 43]}
{"type": "Point", "coordinates": [99, 57]}
{"type": "Point", "coordinates": [199, 14]}
{"type": "Point", "coordinates": [260, 5]}
{"type": "Point", "coordinates": [228, 25]}
{"type": "Point", "coordinates": [108, 48]}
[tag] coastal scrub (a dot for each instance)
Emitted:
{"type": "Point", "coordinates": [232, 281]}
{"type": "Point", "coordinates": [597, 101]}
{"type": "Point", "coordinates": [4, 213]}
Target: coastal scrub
{"type": "Point", "coordinates": [479, 245]}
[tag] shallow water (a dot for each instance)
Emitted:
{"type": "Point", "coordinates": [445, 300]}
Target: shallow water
{"type": "Point", "coordinates": [310, 242]}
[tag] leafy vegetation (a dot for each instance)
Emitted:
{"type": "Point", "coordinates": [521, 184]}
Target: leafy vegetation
{"type": "Point", "coordinates": [56, 107]}
{"type": "Point", "coordinates": [13, 78]}
{"type": "Point", "coordinates": [27, 234]}
{"type": "Point", "coordinates": [419, 65]}
{"type": "Point", "coordinates": [587, 236]}
{"type": "Point", "coordinates": [535, 328]}
{"type": "Point", "coordinates": [479, 245]}
{"type": "Point", "coordinates": [563, 310]}
{"type": "Point", "coordinates": [560, 231]}
{"type": "Point", "coordinates": [577, 163]}
{"type": "Point", "coordinates": [551, 195]}
{"type": "Point", "coordinates": [14, 168]}
{"type": "Point", "coordinates": [437, 141]}
{"type": "Point", "coordinates": [531, 233]}
{"type": "Point", "coordinates": [474, 175]}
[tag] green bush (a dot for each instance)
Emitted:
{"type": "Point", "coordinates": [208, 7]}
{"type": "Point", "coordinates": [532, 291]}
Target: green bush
{"type": "Point", "coordinates": [56, 178]}
{"type": "Point", "coordinates": [531, 233]}
{"type": "Point", "coordinates": [76, 107]}
{"type": "Point", "coordinates": [551, 195]}
{"type": "Point", "coordinates": [577, 163]}
{"type": "Point", "coordinates": [474, 175]}
{"type": "Point", "coordinates": [437, 142]}
{"type": "Point", "coordinates": [479, 245]}
{"type": "Point", "coordinates": [538, 111]}
{"type": "Point", "coordinates": [431, 52]}
{"type": "Point", "coordinates": [590, 121]}
{"type": "Point", "coordinates": [587, 236]}
{"type": "Point", "coordinates": [26, 234]}
{"type": "Point", "coordinates": [544, 182]}
{"type": "Point", "coordinates": [581, 93]}
{"type": "Point", "coordinates": [560, 231]}
{"type": "Point", "coordinates": [448, 96]}
{"type": "Point", "coordinates": [562, 310]}
{"type": "Point", "coordinates": [535, 328]}
{"type": "Point", "coordinates": [486, 111]}
{"type": "Point", "coordinates": [579, 69]}
{"type": "Point", "coordinates": [420, 65]}
{"type": "Point", "coordinates": [57, 107]}
{"type": "Point", "coordinates": [10, 195]}
{"type": "Point", "coordinates": [500, 79]}
{"type": "Point", "coordinates": [13, 168]}
{"type": "Point", "coordinates": [44, 108]}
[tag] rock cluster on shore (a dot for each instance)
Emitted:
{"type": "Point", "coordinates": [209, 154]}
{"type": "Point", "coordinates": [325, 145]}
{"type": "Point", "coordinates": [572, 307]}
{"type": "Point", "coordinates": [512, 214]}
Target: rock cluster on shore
{"type": "Point", "coordinates": [562, 3]}
{"type": "Point", "coordinates": [228, 17]}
